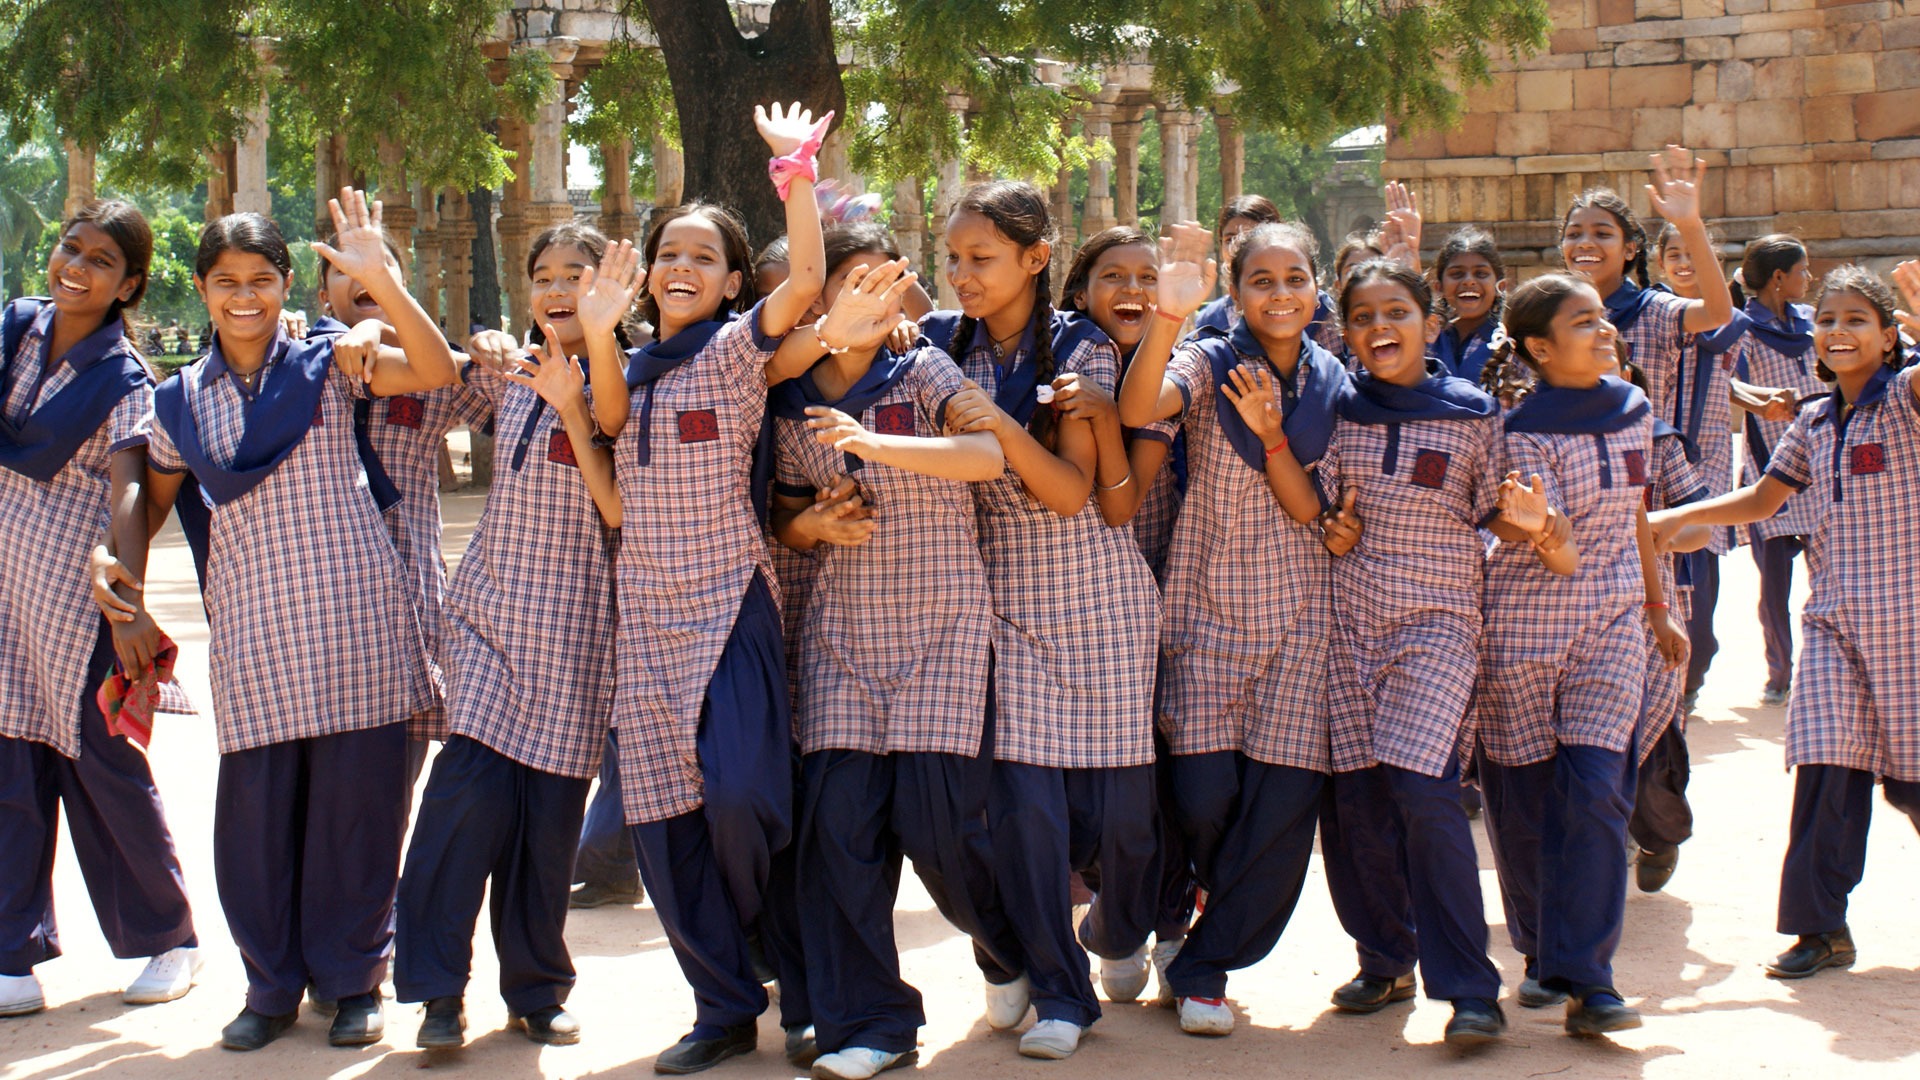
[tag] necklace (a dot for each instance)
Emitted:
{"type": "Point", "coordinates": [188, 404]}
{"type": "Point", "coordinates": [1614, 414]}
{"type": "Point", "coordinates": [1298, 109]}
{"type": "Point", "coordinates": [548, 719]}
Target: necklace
{"type": "Point", "coordinates": [250, 379]}
{"type": "Point", "coordinates": [1000, 344]}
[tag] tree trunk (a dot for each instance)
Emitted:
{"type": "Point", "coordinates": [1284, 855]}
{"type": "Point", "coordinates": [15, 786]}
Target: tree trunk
{"type": "Point", "coordinates": [719, 75]}
{"type": "Point", "coordinates": [483, 297]}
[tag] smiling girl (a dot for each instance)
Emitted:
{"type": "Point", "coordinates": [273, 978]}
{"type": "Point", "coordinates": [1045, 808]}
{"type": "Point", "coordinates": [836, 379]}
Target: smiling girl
{"type": "Point", "coordinates": [1472, 280]}
{"type": "Point", "coordinates": [312, 796]}
{"type": "Point", "coordinates": [1856, 455]}
{"type": "Point", "coordinates": [74, 396]}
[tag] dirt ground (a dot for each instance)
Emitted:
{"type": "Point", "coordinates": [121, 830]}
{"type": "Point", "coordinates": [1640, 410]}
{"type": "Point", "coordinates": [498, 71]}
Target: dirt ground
{"type": "Point", "coordinates": [1690, 960]}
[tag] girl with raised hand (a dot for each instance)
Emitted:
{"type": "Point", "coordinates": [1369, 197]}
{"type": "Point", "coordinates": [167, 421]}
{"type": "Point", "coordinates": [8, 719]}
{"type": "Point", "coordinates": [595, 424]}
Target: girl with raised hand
{"type": "Point", "coordinates": [75, 395]}
{"type": "Point", "coordinates": [1414, 465]}
{"type": "Point", "coordinates": [1777, 353]}
{"type": "Point", "coordinates": [1851, 722]}
{"type": "Point", "coordinates": [312, 796]}
{"type": "Point", "coordinates": [1237, 217]}
{"type": "Point", "coordinates": [701, 721]}
{"type": "Point", "coordinates": [1243, 660]}
{"type": "Point", "coordinates": [1563, 656]}
{"type": "Point", "coordinates": [890, 718]}
{"type": "Point", "coordinates": [529, 657]}
{"type": "Point", "coordinates": [1070, 703]}
{"type": "Point", "coordinates": [1472, 279]}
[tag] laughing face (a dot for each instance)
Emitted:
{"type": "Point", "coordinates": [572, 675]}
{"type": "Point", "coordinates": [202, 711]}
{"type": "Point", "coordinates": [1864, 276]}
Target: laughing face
{"type": "Point", "coordinates": [556, 292]}
{"type": "Point", "coordinates": [1276, 292]}
{"type": "Point", "coordinates": [1470, 286]}
{"type": "Point", "coordinates": [1848, 335]}
{"type": "Point", "coordinates": [1595, 247]}
{"type": "Point", "coordinates": [1119, 288]}
{"type": "Point", "coordinates": [345, 298]}
{"type": "Point", "coordinates": [244, 294]}
{"type": "Point", "coordinates": [1677, 267]}
{"type": "Point", "coordinates": [87, 272]}
{"type": "Point", "coordinates": [1581, 345]}
{"type": "Point", "coordinates": [689, 279]}
{"type": "Point", "coordinates": [1388, 332]}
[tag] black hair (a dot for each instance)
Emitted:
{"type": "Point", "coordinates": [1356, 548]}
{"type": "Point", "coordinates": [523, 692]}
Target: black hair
{"type": "Point", "coordinates": [1529, 314]}
{"type": "Point", "coordinates": [588, 239]}
{"type": "Point", "coordinates": [733, 244]}
{"type": "Point", "coordinates": [1255, 208]}
{"type": "Point", "coordinates": [250, 233]}
{"type": "Point", "coordinates": [1470, 240]}
{"type": "Point", "coordinates": [1355, 242]}
{"type": "Point", "coordinates": [1391, 272]}
{"type": "Point", "coordinates": [1776, 253]}
{"type": "Point", "coordinates": [775, 252]}
{"type": "Point", "coordinates": [843, 242]}
{"type": "Point", "coordinates": [1089, 254]}
{"type": "Point", "coordinates": [1290, 234]}
{"type": "Point", "coordinates": [1018, 211]}
{"type": "Point", "coordinates": [1867, 285]}
{"type": "Point", "coordinates": [1631, 231]}
{"type": "Point", "coordinates": [129, 231]}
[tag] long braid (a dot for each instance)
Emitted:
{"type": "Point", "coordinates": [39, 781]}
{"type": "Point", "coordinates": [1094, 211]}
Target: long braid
{"type": "Point", "coordinates": [1043, 422]}
{"type": "Point", "coordinates": [962, 338]}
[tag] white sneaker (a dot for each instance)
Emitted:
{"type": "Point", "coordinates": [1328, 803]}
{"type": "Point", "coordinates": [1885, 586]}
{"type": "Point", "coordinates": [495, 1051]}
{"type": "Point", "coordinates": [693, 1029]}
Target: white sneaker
{"type": "Point", "coordinates": [1007, 1003]}
{"type": "Point", "coordinates": [20, 995]}
{"type": "Point", "coordinates": [1051, 1039]}
{"type": "Point", "coordinates": [1163, 955]}
{"type": "Point", "coordinates": [167, 976]}
{"type": "Point", "coordinates": [1123, 979]}
{"type": "Point", "coordinates": [859, 1063]}
{"type": "Point", "coordinates": [1205, 1016]}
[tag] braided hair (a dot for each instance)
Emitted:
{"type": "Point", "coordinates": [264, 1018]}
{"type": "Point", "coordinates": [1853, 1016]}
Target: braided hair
{"type": "Point", "coordinates": [1513, 369]}
{"type": "Point", "coordinates": [1018, 212]}
{"type": "Point", "coordinates": [1606, 199]}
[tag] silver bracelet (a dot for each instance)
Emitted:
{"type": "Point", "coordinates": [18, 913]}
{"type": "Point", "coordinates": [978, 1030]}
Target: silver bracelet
{"type": "Point", "coordinates": [1128, 479]}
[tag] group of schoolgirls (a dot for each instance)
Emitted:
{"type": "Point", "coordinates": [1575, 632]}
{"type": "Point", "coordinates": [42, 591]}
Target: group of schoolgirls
{"type": "Point", "coordinates": [1369, 581]}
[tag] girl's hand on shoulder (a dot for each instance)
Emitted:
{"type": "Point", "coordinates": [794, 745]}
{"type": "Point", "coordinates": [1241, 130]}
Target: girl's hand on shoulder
{"type": "Point", "coordinates": [1669, 636]}
{"type": "Point", "coordinates": [106, 572]}
{"type": "Point", "coordinates": [494, 350]}
{"type": "Point", "coordinates": [839, 430]}
{"type": "Point", "coordinates": [552, 374]}
{"type": "Point", "coordinates": [865, 314]}
{"type": "Point", "coordinates": [785, 128]}
{"type": "Point", "coordinates": [359, 248]}
{"type": "Point", "coordinates": [1677, 179]}
{"type": "Point", "coordinates": [905, 335]}
{"type": "Point", "coordinates": [606, 293]}
{"type": "Point", "coordinates": [294, 323]}
{"type": "Point", "coordinates": [1251, 391]}
{"type": "Point", "coordinates": [1341, 527]}
{"type": "Point", "coordinates": [1524, 506]}
{"type": "Point", "coordinates": [972, 409]}
{"type": "Point", "coordinates": [1187, 275]}
{"type": "Point", "coordinates": [1076, 397]}
{"type": "Point", "coordinates": [355, 351]}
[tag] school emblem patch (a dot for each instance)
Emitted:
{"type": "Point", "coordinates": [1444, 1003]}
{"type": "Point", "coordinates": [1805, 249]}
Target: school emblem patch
{"type": "Point", "coordinates": [560, 449]}
{"type": "Point", "coordinates": [320, 415]}
{"type": "Point", "coordinates": [1867, 459]}
{"type": "Point", "coordinates": [1430, 468]}
{"type": "Point", "coordinates": [1636, 463]}
{"type": "Point", "coordinates": [405, 412]}
{"type": "Point", "coordinates": [894, 419]}
{"type": "Point", "coordinates": [699, 425]}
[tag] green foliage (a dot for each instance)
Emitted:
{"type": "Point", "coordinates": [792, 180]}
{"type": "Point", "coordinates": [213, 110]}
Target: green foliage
{"type": "Point", "coordinates": [626, 97]}
{"type": "Point", "coordinates": [32, 187]}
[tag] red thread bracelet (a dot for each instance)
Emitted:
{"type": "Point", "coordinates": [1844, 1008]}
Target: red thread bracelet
{"type": "Point", "coordinates": [1276, 448]}
{"type": "Point", "coordinates": [1174, 319]}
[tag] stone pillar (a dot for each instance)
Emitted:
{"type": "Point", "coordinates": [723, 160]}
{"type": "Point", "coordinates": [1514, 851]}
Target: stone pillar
{"type": "Point", "coordinates": [1061, 200]}
{"type": "Point", "coordinates": [1126, 166]}
{"type": "Point", "coordinates": [909, 223]}
{"type": "Point", "coordinates": [1173, 165]}
{"type": "Point", "coordinates": [220, 168]}
{"type": "Point", "coordinates": [513, 227]}
{"type": "Point", "coordinates": [80, 187]}
{"type": "Point", "coordinates": [1190, 195]}
{"type": "Point", "coordinates": [396, 201]}
{"type": "Point", "coordinates": [947, 185]}
{"type": "Point", "coordinates": [617, 218]}
{"type": "Point", "coordinates": [457, 231]}
{"type": "Point", "coordinates": [669, 173]}
{"type": "Point", "coordinates": [547, 165]}
{"type": "Point", "coordinates": [249, 176]}
{"type": "Point", "coordinates": [427, 256]}
{"type": "Point", "coordinates": [1098, 213]}
{"type": "Point", "coordinates": [835, 165]}
{"type": "Point", "coordinates": [1233, 155]}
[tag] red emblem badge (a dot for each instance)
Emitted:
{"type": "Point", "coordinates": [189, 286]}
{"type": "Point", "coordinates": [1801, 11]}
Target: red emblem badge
{"type": "Point", "coordinates": [405, 412]}
{"type": "Point", "coordinates": [893, 419]}
{"type": "Point", "coordinates": [1636, 462]}
{"type": "Point", "coordinates": [1430, 469]}
{"type": "Point", "coordinates": [560, 449]}
{"type": "Point", "coordinates": [1867, 459]}
{"type": "Point", "coordinates": [699, 425]}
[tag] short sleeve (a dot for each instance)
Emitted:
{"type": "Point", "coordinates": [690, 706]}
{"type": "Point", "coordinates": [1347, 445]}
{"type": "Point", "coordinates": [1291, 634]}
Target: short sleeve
{"type": "Point", "coordinates": [1188, 369]}
{"type": "Point", "coordinates": [1326, 472]}
{"type": "Point", "coordinates": [744, 350]}
{"type": "Point", "coordinates": [130, 420]}
{"type": "Point", "coordinates": [1485, 497]}
{"type": "Point", "coordinates": [162, 454]}
{"type": "Point", "coordinates": [1533, 455]}
{"type": "Point", "coordinates": [346, 385]}
{"type": "Point", "coordinates": [1901, 405]}
{"type": "Point", "coordinates": [1097, 361]}
{"type": "Point", "coordinates": [470, 407]}
{"type": "Point", "coordinates": [1792, 460]}
{"type": "Point", "coordinates": [483, 383]}
{"type": "Point", "coordinates": [789, 477]}
{"type": "Point", "coordinates": [936, 378]}
{"type": "Point", "coordinates": [1679, 481]}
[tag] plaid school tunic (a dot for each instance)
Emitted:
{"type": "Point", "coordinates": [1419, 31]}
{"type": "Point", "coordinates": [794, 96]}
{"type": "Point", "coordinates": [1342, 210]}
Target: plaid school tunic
{"type": "Point", "coordinates": [1076, 611]}
{"type": "Point", "coordinates": [48, 622]}
{"type": "Point", "coordinates": [1243, 661]}
{"type": "Point", "coordinates": [305, 550]}
{"type": "Point", "coordinates": [407, 433]}
{"type": "Point", "coordinates": [1763, 365]}
{"type": "Point", "coordinates": [1152, 523]}
{"type": "Point", "coordinates": [894, 640]}
{"type": "Point", "coordinates": [1407, 599]}
{"type": "Point", "coordinates": [1714, 424]}
{"type": "Point", "coordinates": [1657, 342]}
{"type": "Point", "coordinates": [1675, 482]}
{"type": "Point", "coordinates": [690, 545]}
{"type": "Point", "coordinates": [1564, 659]}
{"type": "Point", "coordinates": [1856, 698]}
{"type": "Point", "coordinates": [530, 614]}
{"type": "Point", "coordinates": [793, 573]}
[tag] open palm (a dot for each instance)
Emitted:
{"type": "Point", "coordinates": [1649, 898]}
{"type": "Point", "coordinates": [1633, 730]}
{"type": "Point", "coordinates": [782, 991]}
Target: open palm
{"type": "Point", "coordinates": [607, 293]}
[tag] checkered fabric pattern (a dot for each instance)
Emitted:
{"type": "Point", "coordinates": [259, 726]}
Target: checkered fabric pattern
{"type": "Point", "coordinates": [48, 623]}
{"type": "Point", "coordinates": [1077, 614]}
{"type": "Point", "coordinates": [1407, 598]}
{"type": "Point", "coordinates": [305, 551]}
{"type": "Point", "coordinates": [1657, 341]}
{"type": "Point", "coordinates": [1766, 366]}
{"type": "Point", "coordinates": [407, 434]}
{"type": "Point", "coordinates": [1675, 483]}
{"type": "Point", "coordinates": [895, 636]}
{"type": "Point", "coordinates": [1715, 468]}
{"type": "Point", "coordinates": [530, 614]}
{"type": "Point", "coordinates": [1563, 659]}
{"type": "Point", "coordinates": [690, 545]}
{"type": "Point", "coordinates": [793, 574]}
{"type": "Point", "coordinates": [1856, 697]}
{"type": "Point", "coordinates": [1152, 524]}
{"type": "Point", "coordinates": [1243, 662]}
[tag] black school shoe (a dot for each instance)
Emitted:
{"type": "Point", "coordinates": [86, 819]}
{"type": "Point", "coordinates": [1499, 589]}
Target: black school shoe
{"type": "Point", "coordinates": [1370, 993]}
{"type": "Point", "coordinates": [1531, 994]}
{"type": "Point", "coordinates": [691, 1055]}
{"type": "Point", "coordinates": [1599, 1011]}
{"type": "Point", "coordinates": [553, 1026]}
{"type": "Point", "coordinates": [1814, 953]}
{"type": "Point", "coordinates": [445, 1025]}
{"type": "Point", "coordinates": [358, 1021]}
{"type": "Point", "coordinates": [1652, 872]}
{"type": "Point", "coordinates": [253, 1030]}
{"type": "Point", "coordinates": [802, 1050]}
{"type": "Point", "coordinates": [1476, 1022]}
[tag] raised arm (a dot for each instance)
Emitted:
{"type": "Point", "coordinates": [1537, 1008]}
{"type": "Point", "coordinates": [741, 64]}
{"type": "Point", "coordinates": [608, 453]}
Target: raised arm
{"type": "Point", "coordinates": [1675, 195]}
{"type": "Point", "coordinates": [607, 294]}
{"type": "Point", "coordinates": [794, 137]}
{"type": "Point", "coordinates": [1187, 277]}
{"type": "Point", "coordinates": [556, 378]}
{"type": "Point", "coordinates": [423, 360]}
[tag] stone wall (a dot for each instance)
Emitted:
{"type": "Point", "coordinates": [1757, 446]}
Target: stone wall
{"type": "Point", "coordinates": [1808, 111]}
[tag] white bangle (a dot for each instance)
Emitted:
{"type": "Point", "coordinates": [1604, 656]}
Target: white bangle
{"type": "Point", "coordinates": [822, 338]}
{"type": "Point", "coordinates": [1124, 481]}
